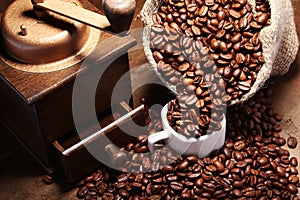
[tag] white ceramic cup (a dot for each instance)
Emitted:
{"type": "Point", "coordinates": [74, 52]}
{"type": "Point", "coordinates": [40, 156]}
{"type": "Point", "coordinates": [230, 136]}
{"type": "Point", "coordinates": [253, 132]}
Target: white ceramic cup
{"type": "Point", "coordinates": [182, 145]}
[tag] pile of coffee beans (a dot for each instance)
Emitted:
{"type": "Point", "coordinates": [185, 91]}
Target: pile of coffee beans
{"type": "Point", "coordinates": [136, 157]}
{"type": "Point", "coordinates": [193, 38]}
{"type": "Point", "coordinates": [94, 186]}
{"type": "Point", "coordinates": [251, 165]}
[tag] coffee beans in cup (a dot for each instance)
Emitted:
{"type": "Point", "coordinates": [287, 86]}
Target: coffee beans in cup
{"type": "Point", "coordinates": [195, 117]}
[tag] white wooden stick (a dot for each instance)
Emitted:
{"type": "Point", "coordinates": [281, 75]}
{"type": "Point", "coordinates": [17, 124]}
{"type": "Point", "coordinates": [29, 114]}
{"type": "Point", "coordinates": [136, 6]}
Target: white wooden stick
{"type": "Point", "coordinates": [106, 129]}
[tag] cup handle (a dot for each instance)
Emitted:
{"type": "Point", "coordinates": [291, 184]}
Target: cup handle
{"type": "Point", "coordinates": [154, 138]}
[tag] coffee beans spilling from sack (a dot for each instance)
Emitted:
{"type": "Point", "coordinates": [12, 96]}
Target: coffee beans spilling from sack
{"type": "Point", "coordinates": [195, 115]}
{"type": "Point", "coordinates": [212, 50]}
{"type": "Point", "coordinates": [251, 165]}
{"type": "Point", "coordinates": [194, 39]}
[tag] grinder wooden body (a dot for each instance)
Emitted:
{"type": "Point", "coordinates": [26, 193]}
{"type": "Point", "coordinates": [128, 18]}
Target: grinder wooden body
{"type": "Point", "coordinates": [37, 107]}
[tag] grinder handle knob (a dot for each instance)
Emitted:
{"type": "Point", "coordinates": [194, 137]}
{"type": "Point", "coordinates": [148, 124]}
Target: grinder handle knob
{"type": "Point", "coordinates": [119, 13]}
{"type": "Point", "coordinates": [37, 1]}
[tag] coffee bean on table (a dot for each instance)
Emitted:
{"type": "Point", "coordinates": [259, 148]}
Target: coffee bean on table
{"type": "Point", "coordinates": [82, 192]}
{"type": "Point", "coordinates": [47, 179]}
{"type": "Point", "coordinates": [292, 142]}
{"type": "Point", "coordinates": [294, 161]}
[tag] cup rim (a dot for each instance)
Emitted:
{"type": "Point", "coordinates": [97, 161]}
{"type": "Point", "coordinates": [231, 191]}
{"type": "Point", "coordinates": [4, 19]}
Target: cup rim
{"type": "Point", "coordinates": [167, 126]}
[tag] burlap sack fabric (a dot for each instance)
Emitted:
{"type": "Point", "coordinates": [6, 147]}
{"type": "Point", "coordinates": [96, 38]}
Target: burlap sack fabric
{"type": "Point", "coordinates": [279, 42]}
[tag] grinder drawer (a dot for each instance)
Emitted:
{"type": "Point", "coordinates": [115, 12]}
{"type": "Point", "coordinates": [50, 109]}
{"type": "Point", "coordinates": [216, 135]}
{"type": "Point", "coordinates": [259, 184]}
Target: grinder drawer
{"type": "Point", "coordinates": [75, 158]}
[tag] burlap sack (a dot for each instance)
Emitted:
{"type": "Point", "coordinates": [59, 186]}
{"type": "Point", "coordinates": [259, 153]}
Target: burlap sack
{"type": "Point", "coordinates": [279, 42]}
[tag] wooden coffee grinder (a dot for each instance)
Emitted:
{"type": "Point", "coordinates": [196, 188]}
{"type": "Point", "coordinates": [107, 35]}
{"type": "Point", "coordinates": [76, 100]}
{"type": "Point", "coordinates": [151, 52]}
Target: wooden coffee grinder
{"type": "Point", "coordinates": [43, 44]}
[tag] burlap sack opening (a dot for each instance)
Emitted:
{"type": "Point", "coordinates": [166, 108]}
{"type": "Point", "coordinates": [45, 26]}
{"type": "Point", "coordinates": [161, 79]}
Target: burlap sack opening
{"type": "Point", "coordinates": [279, 42]}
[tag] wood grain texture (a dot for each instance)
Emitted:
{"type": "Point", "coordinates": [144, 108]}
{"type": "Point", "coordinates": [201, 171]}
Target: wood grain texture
{"type": "Point", "coordinates": [22, 120]}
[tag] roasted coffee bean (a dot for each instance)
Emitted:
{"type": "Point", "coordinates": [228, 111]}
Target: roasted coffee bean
{"type": "Point", "coordinates": [292, 188]}
{"type": "Point", "coordinates": [124, 193]}
{"type": "Point", "coordinates": [294, 161]}
{"type": "Point", "coordinates": [121, 185]}
{"type": "Point", "coordinates": [82, 192]}
{"type": "Point", "coordinates": [199, 182]}
{"type": "Point", "coordinates": [239, 145]}
{"type": "Point", "coordinates": [101, 188]}
{"type": "Point", "coordinates": [292, 142]}
{"type": "Point", "coordinates": [155, 189]}
{"type": "Point", "coordinates": [240, 58]}
{"type": "Point", "coordinates": [241, 164]}
{"type": "Point", "coordinates": [221, 15]}
{"type": "Point", "coordinates": [193, 175]}
{"type": "Point", "coordinates": [192, 159]}
{"type": "Point", "coordinates": [171, 178]}
{"type": "Point", "coordinates": [47, 179]}
{"type": "Point", "coordinates": [89, 179]}
{"type": "Point", "coordinates": [203, 11]}
{"type": "Point", "coordinates": [234, 14]}
{"type": "Point", "coordinates": [183, 165]}
{"type": "Point", "coordinates": [220, 34]}
{"type": "Point", "coordinates": [176, 186]}
{"type": "Point", "coordinates": [280, 171]}
{"type": "Point", "coordinates": [249, 192]}
{"type": "Point", "coordinates": [184, 67]}
{"type": "Point", "coordinates": [238, 156]}
{"type": "Point", "coordinates": [167, 169]}
{"type": "Point", "coordinates": [227, 72]}
{"type": "Point", "coordinates": [214, 44]}
{"type": "Point", "coordinates": [130, 147]}
{"type": "Point", "coordinates": [219, 165]}
{"type": "Point", "coordinates": [294, 179]}
{"type": "Point", "coordinates": [223, 47]}
{"type": "Point", "coordinates": [262, 18]}
{"type": "Point", "coordinates": [262, 161]}
{"type": "Point", "coordinates": [211, 168]}
{"type": "Point", "coordinates": [236, 38]}
{"type": "Point", "coordinates": [236, 193]}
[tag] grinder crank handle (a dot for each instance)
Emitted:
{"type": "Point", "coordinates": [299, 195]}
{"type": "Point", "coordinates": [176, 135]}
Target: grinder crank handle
{"type": "Point", "coordinates": [75, 12]}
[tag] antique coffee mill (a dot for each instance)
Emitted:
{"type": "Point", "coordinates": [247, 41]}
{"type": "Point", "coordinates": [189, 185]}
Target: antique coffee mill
{"type": "Point", "coordinates": [43, 44]}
